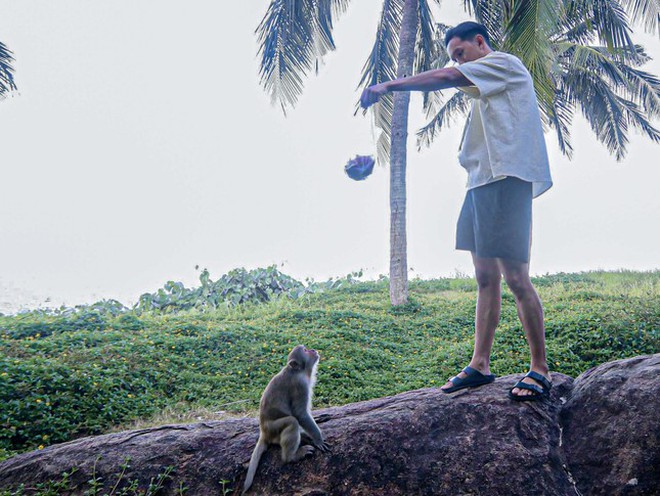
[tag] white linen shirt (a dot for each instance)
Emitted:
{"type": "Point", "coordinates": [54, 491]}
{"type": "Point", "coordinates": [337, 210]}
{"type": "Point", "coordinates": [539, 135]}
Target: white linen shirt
{"type": "Point", "coordinates": [503, 135]}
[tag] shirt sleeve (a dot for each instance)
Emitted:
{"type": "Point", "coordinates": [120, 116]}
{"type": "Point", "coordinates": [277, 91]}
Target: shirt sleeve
{"type": "Point", "coordinates": [489, 75]}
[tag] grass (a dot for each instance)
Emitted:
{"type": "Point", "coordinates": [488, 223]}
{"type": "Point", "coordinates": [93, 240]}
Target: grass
{"type": "Point", "coordinates": [64, 377]}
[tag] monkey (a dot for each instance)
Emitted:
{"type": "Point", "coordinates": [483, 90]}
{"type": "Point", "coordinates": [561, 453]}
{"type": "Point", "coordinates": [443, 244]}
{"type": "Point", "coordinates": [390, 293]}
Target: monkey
{"type": "Point", "coordinates": [286, 409]}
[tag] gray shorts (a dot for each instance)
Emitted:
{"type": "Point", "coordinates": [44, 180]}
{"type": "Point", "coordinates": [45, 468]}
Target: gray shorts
{"type": "Point", "coordinates": [496, 220]}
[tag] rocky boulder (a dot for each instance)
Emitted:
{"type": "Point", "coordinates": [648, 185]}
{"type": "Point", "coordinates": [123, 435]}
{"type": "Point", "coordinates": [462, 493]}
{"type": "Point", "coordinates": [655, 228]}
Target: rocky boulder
{"type": "Point", "coordinates": [424, 442]}
{"type": "Point", "coordinates": [611, 428]}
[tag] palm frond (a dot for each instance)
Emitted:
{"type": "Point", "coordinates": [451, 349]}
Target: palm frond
{"type": "Point", "coordinates": [433, 100]}
{"type": "Point", "coordinates": [606, 17]}
{"type": "Point", "coordinates": [382, 62]}
{"type": "Point", "coordinates": [579, 33]}
{"type": "Point", "coordinates": [560, 120]}
{"type": "Point", "coordinates": [6, 71]}
{"type": "Point", "coordinates": [646, 12]}
{"type": "Point", "coordinates": [639, 86]}
{"type": "Point", "coordinates": [326, 12]}
{"type": "Point", "coordinates": [382, 66]}
{"type": "Point", "coordinates": [644, 89]}
{"type": "Point", "coordinates": [637, 118]}
{"type": "Point", "coordinates": [426, 45]}
{"type": "Point", "coordinates": [492, 14]}
{"type": "Point", "coordinates": [427, 49]}
{"type": "Point", "coordinates": [442, 57]}
{"type": "Point", "coordinates": [382, 118]}
{"type": "Point", "coordinates": [634, 55]}
{"type": "Point", "coordinates": [577, 24]}
{"type": "Point", "coordinates": [293, 37]}
{"type": "Point", "coordinates": [606, 118]}
{"type": "Point", "coordinates": [608, 114]}
{"type": "Point", "coordinates": [457, 105]}
{"type": "Point", "coordinates": [596, 59]}
{"type": "Point", "coordinates": [527, 35]}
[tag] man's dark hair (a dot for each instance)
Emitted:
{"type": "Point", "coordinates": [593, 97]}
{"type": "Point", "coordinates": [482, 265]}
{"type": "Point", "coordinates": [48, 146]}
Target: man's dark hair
{"type": "Point", "coordinates": [467, 31]}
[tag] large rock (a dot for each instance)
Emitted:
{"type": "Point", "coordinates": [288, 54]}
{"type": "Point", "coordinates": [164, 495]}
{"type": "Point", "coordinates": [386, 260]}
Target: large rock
{"type": "Point", "coordinates": [475, 442]}
{"type": "Point", "coordinates": [611, 428]}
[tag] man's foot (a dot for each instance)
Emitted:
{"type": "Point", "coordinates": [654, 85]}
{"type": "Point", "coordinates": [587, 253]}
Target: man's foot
{"type": "Point", "coordinates": [468, 377]}
{"type": "Point", "coordinates": [534, 386]}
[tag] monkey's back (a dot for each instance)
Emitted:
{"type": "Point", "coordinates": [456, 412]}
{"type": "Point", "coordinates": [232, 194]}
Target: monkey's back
{"type": "Point", "coordinates": [276, 399]}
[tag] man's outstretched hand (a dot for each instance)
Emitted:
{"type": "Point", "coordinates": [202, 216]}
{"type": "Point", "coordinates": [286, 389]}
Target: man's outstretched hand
{"type": "Point", "coordinates": [372, 94]}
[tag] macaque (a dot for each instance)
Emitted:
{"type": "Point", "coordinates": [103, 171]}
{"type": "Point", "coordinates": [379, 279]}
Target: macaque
{"type": "Point", "coordinates": [286, 409]}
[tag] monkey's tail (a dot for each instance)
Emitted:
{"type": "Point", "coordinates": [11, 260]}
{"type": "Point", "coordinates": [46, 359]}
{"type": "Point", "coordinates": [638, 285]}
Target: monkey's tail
{"type": "Point", "coordinates": [254, 461]}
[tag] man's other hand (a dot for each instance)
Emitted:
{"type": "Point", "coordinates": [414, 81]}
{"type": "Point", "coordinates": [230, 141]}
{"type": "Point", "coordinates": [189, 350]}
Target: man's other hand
{"type": "Point", "coordinates": [372, 94]}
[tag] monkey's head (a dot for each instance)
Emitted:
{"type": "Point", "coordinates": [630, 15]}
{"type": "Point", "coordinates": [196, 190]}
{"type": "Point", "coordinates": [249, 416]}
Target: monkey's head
{"type": "Point", "coordinates": [303, 358]}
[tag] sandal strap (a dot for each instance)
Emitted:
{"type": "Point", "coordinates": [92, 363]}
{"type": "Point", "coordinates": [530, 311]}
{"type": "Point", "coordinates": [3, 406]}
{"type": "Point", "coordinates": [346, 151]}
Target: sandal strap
{"type": "Point", "coordinates": [540, 379]}
{"type": "Point", "coordinates": [470, 371]}
{"type": "Point", "coordinates": [531, 387]}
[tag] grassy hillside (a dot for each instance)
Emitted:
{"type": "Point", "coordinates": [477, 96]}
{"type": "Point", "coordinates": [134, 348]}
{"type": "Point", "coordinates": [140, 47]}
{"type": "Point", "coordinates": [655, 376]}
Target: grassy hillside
{"type": "Point", "coordinates": [64, 376]}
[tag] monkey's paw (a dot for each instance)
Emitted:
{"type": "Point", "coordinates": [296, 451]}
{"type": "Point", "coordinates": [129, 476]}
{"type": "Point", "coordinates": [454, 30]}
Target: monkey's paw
{"type": "Point", "coordinates": [324, 447]}
{"type": "Point", "coordinates": [306, 451]}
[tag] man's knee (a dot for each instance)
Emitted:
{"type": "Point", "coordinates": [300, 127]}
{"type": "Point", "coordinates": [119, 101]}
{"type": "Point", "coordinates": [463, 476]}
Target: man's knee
{"type": "Point", "coordinates": [487, 278]}
{"type": "Point", "coordinates": [519, 283]}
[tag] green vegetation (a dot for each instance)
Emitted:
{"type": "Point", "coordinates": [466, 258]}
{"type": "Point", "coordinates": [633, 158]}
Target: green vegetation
{"type": "Point", "coordinates": [119, 486]}
{"type": "Point", "coordinates": [82, 371]}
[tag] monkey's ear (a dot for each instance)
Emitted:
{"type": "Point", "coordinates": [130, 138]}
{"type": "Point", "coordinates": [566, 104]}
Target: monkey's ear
{"type": "Point", "coordinates": [295, 364]}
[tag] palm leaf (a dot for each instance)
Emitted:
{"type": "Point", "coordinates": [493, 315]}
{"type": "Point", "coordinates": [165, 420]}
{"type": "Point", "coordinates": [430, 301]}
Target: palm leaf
{"type": "Point", "coordinates": [428, 50]}
{"type": "Point", "coordinates": [382, 66]}
{"type": "Point", "coordinates": [606, 17]}
{"type": "Point", "coordinates": [382, 62]}
{"type": "Point", "coordinates": [639, 86]}
{"type": "Point", "coordinates": [560, 120]}
{"type": "Point", "coordinates": [596, 59]}
{"type": "Point", "coordinates": [527, 34]}
{"type": "Point", "coordinates": [457, 105]}
{"type": "Point", "coordinates": [426, 45]}
{"type": "Point", "coordinates": [382, 118]}
{"type": "Point", "coordinates": [492, 14]}
{"type": "Point", "coordinates": [6, 71]}
{"type": "Point", "coordinates": [602, 110]}
{"type": "Point", "coordinates": [637, 118]}
{"type": "Point", "coordinates": [644, 89]}
{"type": "Point", "coordinates": [433, 100]}
{"type": "Point", "coordinates": [646, 12]}
{"type": "Point", "coordinates": [293, 37]}
{"type": "Point", "coordinates": [608, 114]}
{"type": "Point", "coordinates": [577, 25]}
{"type": "Point", "coordinates": [326, 12]}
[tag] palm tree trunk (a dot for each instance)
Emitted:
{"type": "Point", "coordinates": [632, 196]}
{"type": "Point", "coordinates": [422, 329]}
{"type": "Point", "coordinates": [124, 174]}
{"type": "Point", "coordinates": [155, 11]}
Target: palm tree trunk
{"type": "Point", "coordinates": [398, 249]}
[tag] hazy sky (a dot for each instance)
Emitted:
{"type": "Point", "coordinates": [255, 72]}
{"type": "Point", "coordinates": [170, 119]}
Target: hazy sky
{"type": "Point", "coordinates": [140, 145]}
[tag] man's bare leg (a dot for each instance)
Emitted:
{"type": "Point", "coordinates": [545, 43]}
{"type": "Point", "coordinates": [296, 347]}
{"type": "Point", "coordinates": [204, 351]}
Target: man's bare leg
{"type": "Point", "coordinates": [489, 303]}
{"type": "Point", "coordinates": [530, 312]}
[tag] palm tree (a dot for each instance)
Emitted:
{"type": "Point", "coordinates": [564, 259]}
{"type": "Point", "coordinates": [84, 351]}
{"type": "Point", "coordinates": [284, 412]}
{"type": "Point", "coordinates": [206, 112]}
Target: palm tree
{"type": "Point", "coordinates": [295, 35]}
{"type": "Point", "coordinates": [6, 71]}
{"type": "Point", "coordinates": [549, 36]}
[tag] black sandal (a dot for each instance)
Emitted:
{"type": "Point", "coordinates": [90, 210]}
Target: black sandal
{"type": "Point", "coordinates": [539, 393]}
{"type": "Point", "coordinates": [474, 378]}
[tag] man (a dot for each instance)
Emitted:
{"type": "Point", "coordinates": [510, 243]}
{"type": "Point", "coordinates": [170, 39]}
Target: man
{"type": "Point", "coordinates": [504, 153]}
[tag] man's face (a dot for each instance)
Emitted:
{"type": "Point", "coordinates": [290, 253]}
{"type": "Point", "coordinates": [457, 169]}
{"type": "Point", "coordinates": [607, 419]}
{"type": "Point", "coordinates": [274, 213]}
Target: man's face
{"type": "Point", "coordinates": [462, 51]}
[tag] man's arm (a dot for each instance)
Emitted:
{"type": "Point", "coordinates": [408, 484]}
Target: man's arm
{"type": "Point", "coordinates": [436, 79]}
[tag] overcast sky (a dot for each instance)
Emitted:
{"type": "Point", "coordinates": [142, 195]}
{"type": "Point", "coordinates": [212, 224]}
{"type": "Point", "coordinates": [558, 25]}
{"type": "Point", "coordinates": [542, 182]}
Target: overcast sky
{"type": "Point", "coordinates": [140, 145]}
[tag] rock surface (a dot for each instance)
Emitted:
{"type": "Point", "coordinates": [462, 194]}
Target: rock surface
{"type": "Point", "coordinates": [612, 428]}
{"type": "Point", "coordinates": [423, 442]}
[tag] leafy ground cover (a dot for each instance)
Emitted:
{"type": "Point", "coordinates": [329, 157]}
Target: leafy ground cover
{"type": "Point", "coordinates": [73, 373]}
